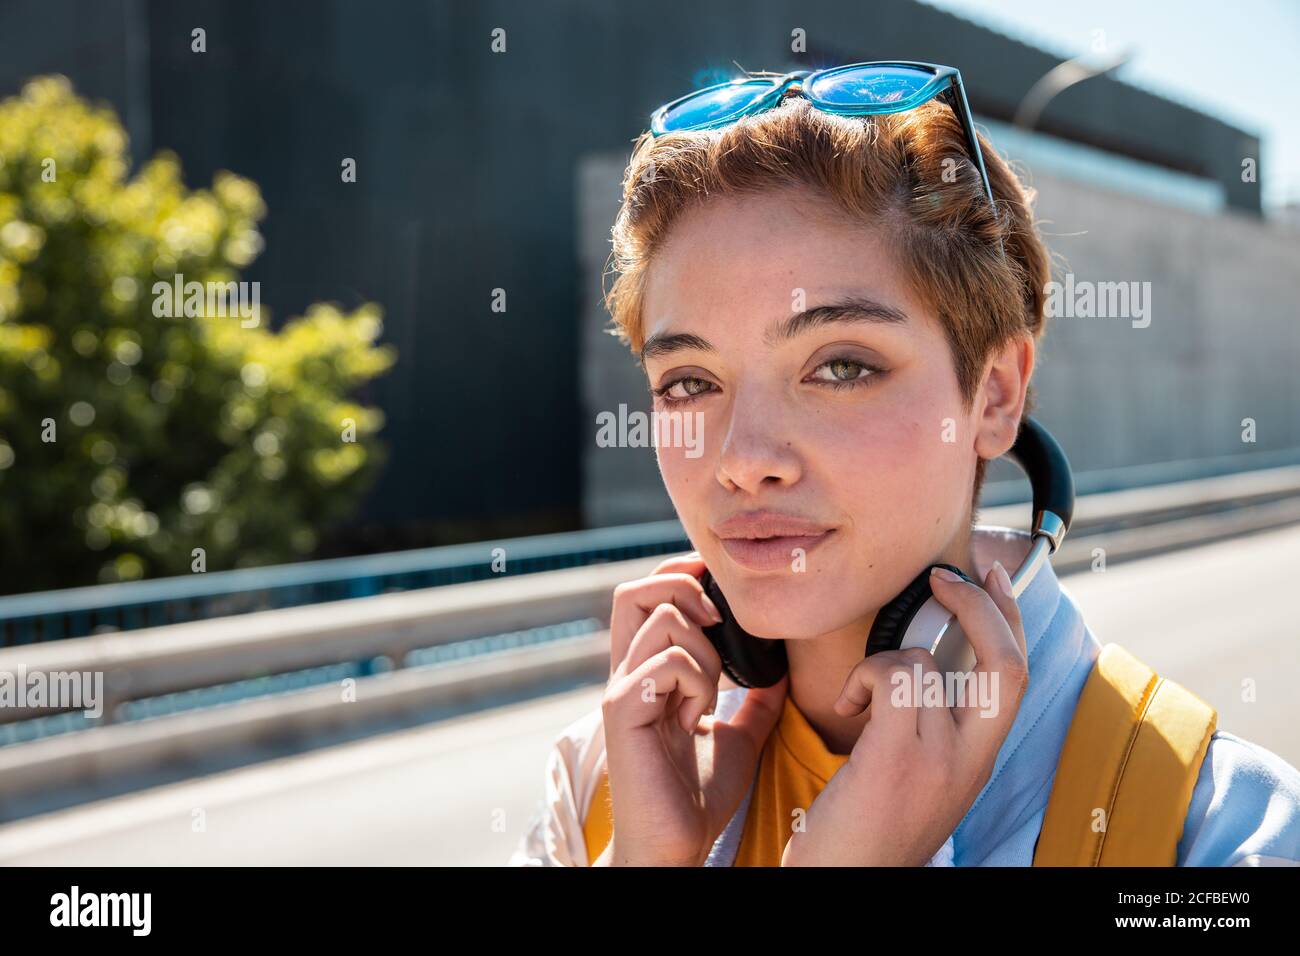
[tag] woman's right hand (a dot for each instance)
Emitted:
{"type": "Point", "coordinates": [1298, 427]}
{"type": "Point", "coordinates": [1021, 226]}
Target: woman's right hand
{"type": "Point", "coordinates": [676, 774]}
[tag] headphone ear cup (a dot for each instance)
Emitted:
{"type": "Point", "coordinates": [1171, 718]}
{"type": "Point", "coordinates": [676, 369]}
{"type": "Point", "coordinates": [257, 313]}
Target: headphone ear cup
{"type": "Point", "coordinates": [892, 620]}
{"type": "Point", "coordinates": [749, 661]}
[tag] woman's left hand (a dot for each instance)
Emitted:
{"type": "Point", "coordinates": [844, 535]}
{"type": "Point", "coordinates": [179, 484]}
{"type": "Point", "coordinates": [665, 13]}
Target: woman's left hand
{"type": "Point", "coordinates": [917, 769]}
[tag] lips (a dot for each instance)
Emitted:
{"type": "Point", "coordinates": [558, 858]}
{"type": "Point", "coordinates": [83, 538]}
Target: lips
{"type": "Point", "coordinates": [770, 540]}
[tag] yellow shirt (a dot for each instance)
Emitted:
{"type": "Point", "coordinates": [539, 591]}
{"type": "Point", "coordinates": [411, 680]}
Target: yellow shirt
{"type": "Point", "coordinates": [793, 769]}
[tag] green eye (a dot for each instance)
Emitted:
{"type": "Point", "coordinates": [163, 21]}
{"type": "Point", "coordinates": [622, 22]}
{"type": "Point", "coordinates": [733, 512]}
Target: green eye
{"type": "Point", "coordinates": [683, 389]}
{"type": "Point", "coordinates": [844, 370]}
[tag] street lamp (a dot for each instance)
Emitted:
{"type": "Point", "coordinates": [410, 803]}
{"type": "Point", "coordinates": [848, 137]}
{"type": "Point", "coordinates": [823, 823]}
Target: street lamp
{"type": "Point", "coordinates": [1061, 78]}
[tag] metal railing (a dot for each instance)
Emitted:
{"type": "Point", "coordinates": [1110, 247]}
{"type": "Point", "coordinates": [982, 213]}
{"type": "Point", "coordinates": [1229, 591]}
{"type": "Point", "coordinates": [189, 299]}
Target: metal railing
{"type": "Point", "coordinates": [80, 612]}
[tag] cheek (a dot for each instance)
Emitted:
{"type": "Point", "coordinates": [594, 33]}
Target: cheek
{"type": "Point", "coordinates": [900, 469]}
{"type": "Point", "coordinates": [877, 466]}
{"type": "Point", "coordinates": [686, 469]}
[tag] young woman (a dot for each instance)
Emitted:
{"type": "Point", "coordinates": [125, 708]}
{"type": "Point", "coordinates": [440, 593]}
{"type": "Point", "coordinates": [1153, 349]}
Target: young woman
{"type": "Point", "coordinates": [845, 288]}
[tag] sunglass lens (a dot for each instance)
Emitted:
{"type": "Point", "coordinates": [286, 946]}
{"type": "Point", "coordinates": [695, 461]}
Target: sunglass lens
{"type": "Point", "coordinates": [871, 85]}
{"type": "Point", "coordinates": [711, 106]}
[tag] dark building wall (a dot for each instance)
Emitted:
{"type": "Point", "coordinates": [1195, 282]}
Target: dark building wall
{"type": "Point", "coordinates": [450, 203]}
{"type": "Point", "coordinates": [466, 176]}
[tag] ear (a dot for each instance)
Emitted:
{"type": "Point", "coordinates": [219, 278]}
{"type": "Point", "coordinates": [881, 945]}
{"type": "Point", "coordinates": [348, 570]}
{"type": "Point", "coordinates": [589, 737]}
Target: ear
{"type": "Point", "coordinates": [1000, 400]}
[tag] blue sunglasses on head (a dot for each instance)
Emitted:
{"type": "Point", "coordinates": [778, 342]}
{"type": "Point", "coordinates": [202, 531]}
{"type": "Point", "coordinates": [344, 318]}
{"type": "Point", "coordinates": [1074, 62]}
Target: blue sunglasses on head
{"type": "Point", "coordinates": [859, 89]}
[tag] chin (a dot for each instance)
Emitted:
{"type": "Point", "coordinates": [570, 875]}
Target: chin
{"type": "Point", "coordinates": [791, 606]}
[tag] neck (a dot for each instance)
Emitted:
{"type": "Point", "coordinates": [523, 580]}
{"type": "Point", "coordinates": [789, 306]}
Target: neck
{"type": "Point", "coordinates": [820, 666]}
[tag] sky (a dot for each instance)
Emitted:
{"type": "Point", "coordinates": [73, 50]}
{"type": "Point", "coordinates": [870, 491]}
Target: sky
{"type": "Point", "coordinates": [1239, 61]}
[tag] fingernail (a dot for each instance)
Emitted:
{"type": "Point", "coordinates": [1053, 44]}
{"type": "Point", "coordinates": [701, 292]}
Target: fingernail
{"type": "Point", "coordinates": [1004, 579]}
{"type": "Point", "coordinates": [710, 608]}
{"type": "Point", "coordinates": [944, 573]}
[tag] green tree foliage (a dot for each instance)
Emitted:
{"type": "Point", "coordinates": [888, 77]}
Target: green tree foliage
{"type": "Point", "coordinates": [171, 431]}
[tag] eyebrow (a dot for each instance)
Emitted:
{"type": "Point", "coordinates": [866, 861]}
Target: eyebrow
{"type": "Point", "coordinates": [856, 308]}
{"type": "Point", "coordinates": [666, 344]}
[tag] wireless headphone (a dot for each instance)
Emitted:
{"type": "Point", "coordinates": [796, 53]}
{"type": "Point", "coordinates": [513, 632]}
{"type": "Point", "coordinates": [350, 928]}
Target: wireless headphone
{"type": "Point", "coordinates": [914, 618]}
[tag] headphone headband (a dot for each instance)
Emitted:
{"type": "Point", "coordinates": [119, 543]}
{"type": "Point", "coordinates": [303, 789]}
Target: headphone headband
{"type": "Point", "coordinates": [1042, 460]}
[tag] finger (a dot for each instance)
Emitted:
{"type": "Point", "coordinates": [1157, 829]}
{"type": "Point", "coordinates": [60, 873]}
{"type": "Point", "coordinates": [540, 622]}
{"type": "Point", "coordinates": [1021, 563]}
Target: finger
{"type": "Point", "coordinates": [871, 684]}
{"type": "Point", "coordinates": [634, 601]}
{"type": "Point", "coordinates": [999, 657]}
{"type": "Point", "coordinates": [998, 585]}
{"type": "Point", "coordinates": [926, 684]}
{"type": "Point", "coordinates": [666, 627]}
{"type": "Point", "coordinates": [690, 563]}
{"type": "Point", "coordinates": [642, 698]}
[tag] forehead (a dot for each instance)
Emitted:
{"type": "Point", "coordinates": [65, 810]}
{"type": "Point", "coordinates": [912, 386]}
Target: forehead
{"type": "Point", "coordinates": [745, 257]}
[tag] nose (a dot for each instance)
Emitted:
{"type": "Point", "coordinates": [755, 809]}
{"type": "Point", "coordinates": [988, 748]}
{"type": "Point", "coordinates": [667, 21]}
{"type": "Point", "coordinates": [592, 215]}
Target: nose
{"type": "Point", "coordinates": [756, 452]}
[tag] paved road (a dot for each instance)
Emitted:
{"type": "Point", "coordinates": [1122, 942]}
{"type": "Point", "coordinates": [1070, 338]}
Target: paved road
{"type": "Point", "coordinates": [460, 792]}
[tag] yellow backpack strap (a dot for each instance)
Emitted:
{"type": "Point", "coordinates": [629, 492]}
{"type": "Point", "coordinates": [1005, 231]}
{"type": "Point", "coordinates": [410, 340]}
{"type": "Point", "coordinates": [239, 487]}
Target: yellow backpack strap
{"type": "Point", "coordinates": [1127, 770]}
